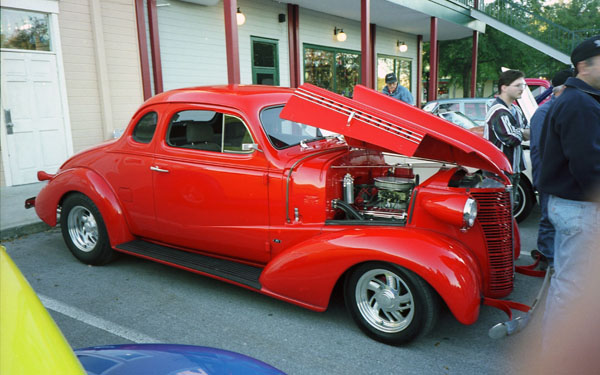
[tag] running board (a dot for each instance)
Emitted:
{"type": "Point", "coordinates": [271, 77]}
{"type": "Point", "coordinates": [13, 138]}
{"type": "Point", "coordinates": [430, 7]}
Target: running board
{"type": "Point", "coordinates": [234, 271]}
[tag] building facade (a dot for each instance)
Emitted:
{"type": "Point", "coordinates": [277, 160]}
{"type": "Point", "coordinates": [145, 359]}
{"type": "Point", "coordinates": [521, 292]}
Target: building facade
{"type": "Point", "coordinates": [74, 71]}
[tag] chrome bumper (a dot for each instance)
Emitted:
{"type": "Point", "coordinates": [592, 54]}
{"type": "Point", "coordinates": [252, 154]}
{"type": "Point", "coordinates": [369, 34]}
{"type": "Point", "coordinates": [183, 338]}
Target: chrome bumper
{"type": "Point", "coordinates": [515, 325]}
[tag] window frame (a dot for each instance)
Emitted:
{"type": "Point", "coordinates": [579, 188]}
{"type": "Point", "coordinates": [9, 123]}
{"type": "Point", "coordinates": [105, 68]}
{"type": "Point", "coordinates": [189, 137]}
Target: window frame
{"type": "Point", "coordinates": [335, 51]}
{"type": "Point", "coordinates": [396, 69]}
{"type": "Point", "coordinates": [262, 69]}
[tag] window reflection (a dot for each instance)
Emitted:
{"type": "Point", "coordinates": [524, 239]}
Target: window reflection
{"type": "Point", "coordinates": [24, 30]}
{"type": "Point", "coordinates": [332, 69]}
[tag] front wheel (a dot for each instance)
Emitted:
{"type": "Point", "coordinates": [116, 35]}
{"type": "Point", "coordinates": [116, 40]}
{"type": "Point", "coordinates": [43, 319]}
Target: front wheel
{"type": "Point", "coordinates": [83, 230]}
{"type": "Point", "coordinates": [524, 199]}
{"type": "Point", "coordinates": [389, 303]}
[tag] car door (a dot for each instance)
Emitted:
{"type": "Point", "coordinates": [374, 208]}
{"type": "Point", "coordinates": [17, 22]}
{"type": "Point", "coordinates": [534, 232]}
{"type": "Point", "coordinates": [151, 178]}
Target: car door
{"type": "Point", "coordinates": [210, 186]}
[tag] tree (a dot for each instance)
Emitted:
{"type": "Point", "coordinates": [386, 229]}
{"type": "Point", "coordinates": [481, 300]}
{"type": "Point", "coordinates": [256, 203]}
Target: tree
{"type": "Point", "coordinates": [497, 50]}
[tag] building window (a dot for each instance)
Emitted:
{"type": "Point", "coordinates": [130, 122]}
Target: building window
{"type": "Point", "coordinates": [333, 69]}
{"type": "Point", "coordinates": [24, 30]}
{"type": "Point", "coordinates": [265, 61]}
{"type": "Point", "coordinates": [401, 66]}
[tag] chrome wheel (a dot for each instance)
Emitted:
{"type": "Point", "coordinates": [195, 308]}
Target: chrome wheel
{"type": "Point", "coordinates": [384, 300]}
{"type": "Point", "coordinates": [82, 228]}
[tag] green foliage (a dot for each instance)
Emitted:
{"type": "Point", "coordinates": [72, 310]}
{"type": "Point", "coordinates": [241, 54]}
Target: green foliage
{"type": "Point", "coordinates": [497, 50]}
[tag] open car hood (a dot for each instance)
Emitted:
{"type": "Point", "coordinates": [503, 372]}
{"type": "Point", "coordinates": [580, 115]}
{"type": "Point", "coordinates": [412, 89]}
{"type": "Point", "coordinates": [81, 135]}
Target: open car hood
{"type": "Point", "coordinates": [375, 120]}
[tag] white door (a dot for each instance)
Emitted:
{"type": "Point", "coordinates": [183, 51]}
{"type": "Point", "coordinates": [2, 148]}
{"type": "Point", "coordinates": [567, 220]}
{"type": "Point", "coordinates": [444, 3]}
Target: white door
{"type": "Point", "coordinates": [32, 115]}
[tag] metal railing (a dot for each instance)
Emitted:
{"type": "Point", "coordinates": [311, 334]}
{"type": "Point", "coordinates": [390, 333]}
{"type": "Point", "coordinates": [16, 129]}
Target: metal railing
{"type": "Point", "coordinates": [532, 24]}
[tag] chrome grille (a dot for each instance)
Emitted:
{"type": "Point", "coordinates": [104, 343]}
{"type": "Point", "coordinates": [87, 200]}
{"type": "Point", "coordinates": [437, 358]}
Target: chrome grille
{"type": "Point", "coordinates": [494, 213]}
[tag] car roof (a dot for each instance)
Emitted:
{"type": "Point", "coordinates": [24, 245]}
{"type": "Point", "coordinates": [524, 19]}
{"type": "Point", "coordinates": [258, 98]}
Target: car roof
{"type": "Point", "coordinates": [224, 94]}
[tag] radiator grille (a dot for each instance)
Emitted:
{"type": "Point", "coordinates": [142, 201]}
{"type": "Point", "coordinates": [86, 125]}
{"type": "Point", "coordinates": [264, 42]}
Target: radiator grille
{"type": "Point", "coordinates": [495, 216]}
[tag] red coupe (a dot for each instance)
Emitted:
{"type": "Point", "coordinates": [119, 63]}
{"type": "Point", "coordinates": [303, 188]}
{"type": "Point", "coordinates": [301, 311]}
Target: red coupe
{"type": "Point", "coordinates": [288, 193]}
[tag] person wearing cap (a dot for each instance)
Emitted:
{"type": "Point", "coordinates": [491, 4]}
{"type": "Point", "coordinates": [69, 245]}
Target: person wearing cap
{"type": "Point", "coordinates": [545, 239]}
{"type": "Point", "coordinates": [505, 125]}
{"type": "Point", "coordinates": [570, 174]}
{"type": "Point", "coordinates": [393, 89]}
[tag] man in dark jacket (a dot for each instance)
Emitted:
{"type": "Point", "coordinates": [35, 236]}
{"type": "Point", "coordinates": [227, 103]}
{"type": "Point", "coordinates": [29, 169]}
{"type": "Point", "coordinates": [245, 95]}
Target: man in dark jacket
{"type": "Point", "coordinates": [570, 174]}
{"type": "Point", "coordinates": [545, 240]}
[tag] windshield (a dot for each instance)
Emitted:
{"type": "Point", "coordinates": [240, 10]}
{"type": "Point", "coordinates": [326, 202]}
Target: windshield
{"type": "Point", "coordinates": [284, 133]}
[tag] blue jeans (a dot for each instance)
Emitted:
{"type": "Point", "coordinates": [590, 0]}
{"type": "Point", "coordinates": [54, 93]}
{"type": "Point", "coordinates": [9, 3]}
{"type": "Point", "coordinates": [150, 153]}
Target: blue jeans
{"type": "Point", "coordinates": [577, 227]}
{"type": "Point", "coordinates": [545, 239]}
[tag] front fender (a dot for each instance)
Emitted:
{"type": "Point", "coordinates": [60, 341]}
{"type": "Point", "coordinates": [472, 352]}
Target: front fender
{"type": "Point", "coordinates": [306, 273]}
{"type": "Point", "coordinates": [91, 184]}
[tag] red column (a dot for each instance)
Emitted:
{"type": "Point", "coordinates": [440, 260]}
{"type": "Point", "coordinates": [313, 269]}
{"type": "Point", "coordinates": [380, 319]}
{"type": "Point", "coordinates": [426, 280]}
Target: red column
{"type": "Point", "coordinates": [366, 57]}
{"type": "Point", "coordinates": [474, 64]}
{"type": "Point", "coordinates": [419, 69]}
{"type": "Point", "coordinates": [143, 45]}
{"type": "Point", "coordinates": [155, 47]}
{"type": "Point", "coordinates": [231, 42]}
{"type": "Point", "coordinates": [433, 59]}
{"type": "Point", "coordinates": [294, 44]}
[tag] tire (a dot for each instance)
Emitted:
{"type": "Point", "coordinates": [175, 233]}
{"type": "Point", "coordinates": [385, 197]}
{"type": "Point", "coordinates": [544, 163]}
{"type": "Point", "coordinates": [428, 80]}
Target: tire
{"type": "Point", "coordinates": [389, 303]}
{"type": "Point", "coordinates": [84, 232]}
{"type": "Point", "coordinates": [524, 199]}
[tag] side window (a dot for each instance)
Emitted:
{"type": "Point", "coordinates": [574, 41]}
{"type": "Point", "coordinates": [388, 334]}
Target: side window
{"type": "Point", "coordinates": [144, 129]}
{"type": "Point", "coordinates": [208, 131]}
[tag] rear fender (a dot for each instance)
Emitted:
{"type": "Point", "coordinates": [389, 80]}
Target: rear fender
{"type": "Point", "coordinates": [306, 273]}
{"type": "Point", "coordinates": [91, 184]}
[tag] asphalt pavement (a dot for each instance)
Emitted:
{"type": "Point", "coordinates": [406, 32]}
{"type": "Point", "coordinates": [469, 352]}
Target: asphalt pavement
{"type": "Point", "coordinates": [135, 300]}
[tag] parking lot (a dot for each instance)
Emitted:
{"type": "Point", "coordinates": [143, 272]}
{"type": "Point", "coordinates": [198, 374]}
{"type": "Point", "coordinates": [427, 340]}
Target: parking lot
{"type": "Point", "coordinates": [134, 300]}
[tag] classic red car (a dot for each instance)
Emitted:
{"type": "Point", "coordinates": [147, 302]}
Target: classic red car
{"type": "Point", "coordinates": [241, 183]}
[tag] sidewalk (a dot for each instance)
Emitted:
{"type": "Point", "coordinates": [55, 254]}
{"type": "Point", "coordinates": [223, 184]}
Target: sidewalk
{"type": "Point", "coordinates": [15, 220]}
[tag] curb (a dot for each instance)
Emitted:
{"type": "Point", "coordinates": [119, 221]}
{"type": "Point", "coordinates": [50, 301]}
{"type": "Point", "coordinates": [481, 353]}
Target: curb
{"type": "Point", "coordinates": [22, 230]}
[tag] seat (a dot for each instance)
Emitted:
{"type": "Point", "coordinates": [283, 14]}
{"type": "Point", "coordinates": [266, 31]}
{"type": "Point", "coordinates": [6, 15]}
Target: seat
{"type": "Point", "coordinates": [201, 137]}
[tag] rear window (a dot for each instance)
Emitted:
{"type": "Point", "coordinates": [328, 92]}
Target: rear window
{"type": "Point", "coordinates": [144, 129]}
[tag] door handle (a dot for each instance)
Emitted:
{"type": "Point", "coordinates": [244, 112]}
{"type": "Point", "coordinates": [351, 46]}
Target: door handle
{"type": "Point", "coordinates": [9, 123]}
{"type": "Point", "coordinates": [157, 169]}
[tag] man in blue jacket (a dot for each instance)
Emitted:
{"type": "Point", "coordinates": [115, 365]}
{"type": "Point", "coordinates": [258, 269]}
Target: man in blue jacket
{"type": "Point", "coordinates": [545, 239]}
{"type": "Point", "coordinates": [570, 174]}
{"type": "Point", "coordinates": [393, 89]}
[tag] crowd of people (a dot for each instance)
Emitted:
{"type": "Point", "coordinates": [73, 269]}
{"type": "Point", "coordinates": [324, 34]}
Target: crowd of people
{"type": "Point", "coordinates": [565, 154]}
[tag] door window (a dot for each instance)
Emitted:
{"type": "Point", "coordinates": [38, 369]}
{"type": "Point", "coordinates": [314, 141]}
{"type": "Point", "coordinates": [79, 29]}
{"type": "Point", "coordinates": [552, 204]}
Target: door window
{"type": "Point", "coordinates": [333, 69]}
{"type": "Point", "coordinates": [24, 30]}
{"type": "Point", "coordinates": [209, 131]}
{"type": "Point", "coordinates": [265, 61]}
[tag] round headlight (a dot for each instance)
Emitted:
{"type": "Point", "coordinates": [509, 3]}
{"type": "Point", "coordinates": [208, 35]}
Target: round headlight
{"type": "Point", "coordinates": [469, 213]}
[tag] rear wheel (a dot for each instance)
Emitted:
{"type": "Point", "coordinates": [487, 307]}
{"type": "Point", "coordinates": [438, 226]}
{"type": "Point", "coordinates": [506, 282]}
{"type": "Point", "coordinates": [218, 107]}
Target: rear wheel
{"type": "Point", "coordinates": [389, 303]}
{"type": "Point", "coordinates": [83, 230]}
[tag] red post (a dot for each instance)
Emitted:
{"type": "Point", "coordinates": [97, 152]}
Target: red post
{"type": "Point", "coordinates": [231, 42]}
{"type": "Point", "coordinates": [419, 69]}
{"type": "Point", "coordinates": [433, 59]}
{"type": "Point", "coordinates": [474, 64]}
{"type": "Point", "coordinates": [155, 47]}
{"type": "Point", "coordinates": [366, 57]}
{"type": "Point", "coordinates": [143, 45]}
{"type": "Point", "coordinates": [294, 45]}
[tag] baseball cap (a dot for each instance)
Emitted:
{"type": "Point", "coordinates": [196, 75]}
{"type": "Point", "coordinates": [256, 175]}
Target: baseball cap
{"type": "Point", "coordinates": [561, 77]}
{"type": "Point", "coordinates": [586, 49]}
{"type": "Point", "coordinates": [390, 78]}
